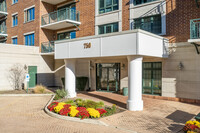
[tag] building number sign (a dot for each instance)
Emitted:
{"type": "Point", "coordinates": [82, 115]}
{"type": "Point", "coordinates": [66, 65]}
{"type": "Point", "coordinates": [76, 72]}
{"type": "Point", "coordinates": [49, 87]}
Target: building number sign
{"type": "Point", "coordinates": [87, 45]}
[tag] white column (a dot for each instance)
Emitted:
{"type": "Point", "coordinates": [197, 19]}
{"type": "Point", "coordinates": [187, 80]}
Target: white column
{"type": "Point", "coordinates": [134, 102]}
{"type": "Point", "coordinates": [70, 78]}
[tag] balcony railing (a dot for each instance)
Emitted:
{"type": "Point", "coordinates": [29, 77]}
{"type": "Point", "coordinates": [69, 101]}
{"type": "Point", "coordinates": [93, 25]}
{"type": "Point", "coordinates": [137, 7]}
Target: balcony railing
{"type": "Point", "coordinates": [47, 47]}
{"type": "Point", "coordinates": [59, 15]}
{"type": "Point", "coordinates": [3, 7]}
{"type": "Point", "coordinates": [3, 29]}
{"type": "Point", "coordinates": [195, 29]}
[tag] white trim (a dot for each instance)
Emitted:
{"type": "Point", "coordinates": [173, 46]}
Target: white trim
{"type": "Point", "coordinates": [16, 13]}
{"type": "Point", "coordinates": [29, 7]}
{"type": "Point", "coordinates": [29, 33]}
{"type": "Point", "coordinates": [14, 37]}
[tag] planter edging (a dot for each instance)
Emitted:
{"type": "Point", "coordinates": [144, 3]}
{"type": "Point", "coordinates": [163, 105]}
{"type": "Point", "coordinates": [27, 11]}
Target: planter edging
{"type": "Point", "coordinates": [89, 121]}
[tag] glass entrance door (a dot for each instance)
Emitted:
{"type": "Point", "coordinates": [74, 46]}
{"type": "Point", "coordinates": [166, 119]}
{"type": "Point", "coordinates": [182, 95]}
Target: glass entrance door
{"type": "Point", "coordinates": [152, 78]}
{"type": "Point", "coordinates": [108, 77]}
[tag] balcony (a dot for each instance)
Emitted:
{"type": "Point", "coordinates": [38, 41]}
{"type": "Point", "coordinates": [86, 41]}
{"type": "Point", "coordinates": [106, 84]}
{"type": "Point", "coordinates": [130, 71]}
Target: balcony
{"type": "Point", "coordinates": [63, 18]}
{"type": "Point", "coordinates": [55, 2]}
{"type": "Point", "coordinates": [3, 31]}
{"type": "Point", "coordinates": [3, 9]}
{"type": "Point", "coordinates": [47, 47]}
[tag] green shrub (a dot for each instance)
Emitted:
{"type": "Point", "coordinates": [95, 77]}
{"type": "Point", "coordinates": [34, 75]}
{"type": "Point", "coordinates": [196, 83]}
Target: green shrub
{"type": "Point", "coordinates": [81, 83]}
{"type": "Point", "coordinates": [89, 104]}
{"type": "Point", "coordinates": [60, 93]}
{"type": "Point", "coordinates": [71, 102]}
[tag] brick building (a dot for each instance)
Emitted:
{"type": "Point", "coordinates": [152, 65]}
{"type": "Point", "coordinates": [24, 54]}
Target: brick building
{"type": "Point", "coordinates": [95, 27]}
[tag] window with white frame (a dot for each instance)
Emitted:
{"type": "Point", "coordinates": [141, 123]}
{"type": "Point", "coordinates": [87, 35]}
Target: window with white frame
{"type": "Point", "coordinates": [108, 28]}
{"type": "Point", "coordinates": [15, 20]}
{"type": "Point", "coordinates": [151, 24]}
{"type": "Point", "coordinates": [30, 39]}
{"type": "Point", "coordinates": [14, 40]}
{"type": "Point", "coordinates": [14, 1]}
{"type": "Point", "coordinates": [108, 6]}
{"type": "Point", "coordinates": [29, 14]}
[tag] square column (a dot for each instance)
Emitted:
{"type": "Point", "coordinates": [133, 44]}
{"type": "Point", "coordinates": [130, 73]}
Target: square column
{"type": "Point", "coordinates": [70, 77]}
{"type": "Point", "coordinates": [134, 102]}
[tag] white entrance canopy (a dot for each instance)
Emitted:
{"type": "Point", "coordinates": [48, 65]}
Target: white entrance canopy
{"type": "Point", "coordinates": [134, 42]}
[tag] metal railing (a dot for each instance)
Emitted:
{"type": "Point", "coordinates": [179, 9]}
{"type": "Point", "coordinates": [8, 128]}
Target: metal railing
{"type": "Point", "coordinates": [59, 15]}
{"type": "Point", "coordinates": [3, 7]}
{"type": "Point", "coordinates": [3, 29]}
{"type": "Point", "coordinates": [47, 47]}
{"type": "Point", "coordinates": [195, 29]}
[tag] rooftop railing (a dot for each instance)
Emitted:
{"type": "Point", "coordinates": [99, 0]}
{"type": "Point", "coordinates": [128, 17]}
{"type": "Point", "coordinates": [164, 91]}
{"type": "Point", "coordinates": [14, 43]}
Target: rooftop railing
{"type": "Point", "coordinates": [47, 47]}
{"type": "Point", "coordinates": [195, 29]}
{"type": "Point", "coordinates": [59, 15]}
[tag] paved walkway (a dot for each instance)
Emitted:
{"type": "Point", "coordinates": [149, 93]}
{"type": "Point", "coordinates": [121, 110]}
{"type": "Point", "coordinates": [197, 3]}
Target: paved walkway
{"type": "Point", "coordinates": [25, 114]}
{"type": "Point", "coordinates": [159, 116]}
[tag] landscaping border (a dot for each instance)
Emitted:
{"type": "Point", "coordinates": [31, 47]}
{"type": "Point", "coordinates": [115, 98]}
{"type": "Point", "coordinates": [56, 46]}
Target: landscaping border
{"type": "Point", "coordinates": [90, 121]}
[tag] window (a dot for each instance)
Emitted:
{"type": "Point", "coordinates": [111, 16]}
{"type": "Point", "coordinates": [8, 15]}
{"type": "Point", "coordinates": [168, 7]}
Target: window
{"type": "Point", "coordinates": [29, 40]}
{"type": "Point", "coordinates": [137, 2]}
{"type": "Point", "coordinates": [151, 24]}
{"type": "Point", "coordinates": [14, 40]}
{"type": "Point", "coordinates": [108, 6]}
{"type": "Point", "coordinates": [66, 35]}
{"type": "Point", "coordinates": [152, 78]}
{"type": "Point", "coordinates": [15, 20]}
{"type": "Point", "coordinates": [108, 28]}
{"type": "Point", "coordinates": [29, 14]}
{"type": "Point", "coordinates": [14, 1]}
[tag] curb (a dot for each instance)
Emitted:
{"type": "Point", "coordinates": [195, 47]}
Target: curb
{"type": "Point", "coordinates": [24, 95]}
{"type": "Point", "coordinates": [88, 121]}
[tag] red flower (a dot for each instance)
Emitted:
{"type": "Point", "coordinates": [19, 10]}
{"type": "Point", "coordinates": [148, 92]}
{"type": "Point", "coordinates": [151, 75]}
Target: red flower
{"type": "Point", "coordinates": [52, 105]}
{"type": "Point", "coordinates": [83, 113]}
{"type": "Point", "coordinates": [190, 127]}
{"type": "Point", "coordinates": [102, 111]}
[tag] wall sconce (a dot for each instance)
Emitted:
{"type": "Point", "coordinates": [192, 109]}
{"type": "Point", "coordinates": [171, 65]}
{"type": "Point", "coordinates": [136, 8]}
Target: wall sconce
{"type": "Point", "coordinates": [123, 66]}
{"type": "Point", "coordinates": [180, 66]}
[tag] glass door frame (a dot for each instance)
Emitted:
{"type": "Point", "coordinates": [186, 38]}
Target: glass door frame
{"type": "Point", "coordinates": [152, 88]}
{"type": "Point", "coordinates": [119, 74]}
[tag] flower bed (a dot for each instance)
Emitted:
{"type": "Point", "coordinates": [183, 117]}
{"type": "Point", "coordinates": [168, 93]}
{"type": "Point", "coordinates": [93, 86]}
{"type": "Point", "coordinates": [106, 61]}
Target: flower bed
{"type": "Point", "coordinates": [192, 127]}
{"type": "Point", "coordinates": [82, 109]}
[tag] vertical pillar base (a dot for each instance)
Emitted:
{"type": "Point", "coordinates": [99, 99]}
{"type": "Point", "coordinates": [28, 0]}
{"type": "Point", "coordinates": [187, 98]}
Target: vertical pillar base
{"type": "Point", "coordinates": [135, 106]}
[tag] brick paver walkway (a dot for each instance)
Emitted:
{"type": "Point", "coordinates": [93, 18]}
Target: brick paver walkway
{"type": "Point", "coordinates": [159, 116]}
{"type": "Point", "coordinates": [25, 114]}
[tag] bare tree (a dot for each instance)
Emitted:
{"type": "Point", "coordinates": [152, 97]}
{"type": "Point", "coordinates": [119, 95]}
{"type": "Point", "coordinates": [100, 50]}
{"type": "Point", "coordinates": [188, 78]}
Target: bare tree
{"type": "Point", "coordinates": [16, 76]}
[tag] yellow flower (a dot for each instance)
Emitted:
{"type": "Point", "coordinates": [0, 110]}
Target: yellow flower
{"type": "Point", "coordinates": [73, 111]}
{"type": "Point", "coordinates": [93, 112]}
{"type": "Point", "coordinates": [59, 107]}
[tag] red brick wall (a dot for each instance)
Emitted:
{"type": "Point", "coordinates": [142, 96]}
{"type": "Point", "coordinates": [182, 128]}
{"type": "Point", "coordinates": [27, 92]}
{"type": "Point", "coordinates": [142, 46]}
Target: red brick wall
{"type": "Point", "coordinates": [46, 35]}
{"type": "Point", "coordinates": [22, 27]}
{"type": "Point", "coordinates": [87, 17]}
{"type": "Point", "coordinates": [125, 15]}
{"type": "Point", "coordinates": [179, 14]}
